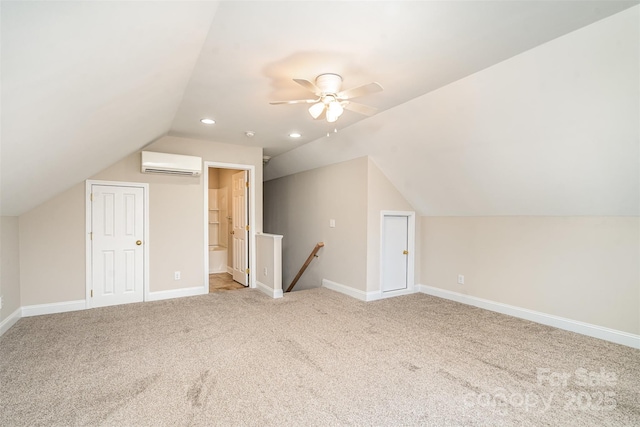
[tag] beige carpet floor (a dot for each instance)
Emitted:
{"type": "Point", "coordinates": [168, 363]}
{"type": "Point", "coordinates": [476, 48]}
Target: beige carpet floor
{"type": "Point", "coordinates": [313, 358]}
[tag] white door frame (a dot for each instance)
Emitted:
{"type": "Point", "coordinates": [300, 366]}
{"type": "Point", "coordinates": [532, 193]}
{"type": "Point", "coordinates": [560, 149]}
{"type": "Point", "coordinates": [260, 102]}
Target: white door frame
{"type": "Point", "coordinates": [411, 247]}
{"type": "Point", "coordinates": [88, 252]}
{"type": "Point", "coordinates": [251, 169]}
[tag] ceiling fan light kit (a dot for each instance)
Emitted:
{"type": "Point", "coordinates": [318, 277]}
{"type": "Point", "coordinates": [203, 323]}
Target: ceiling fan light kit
{"type": "Point", "coordinates": [334, 110]}
{"type": "Point", "coordinates": [316, 110]}
{"type": "Point", "coordinates": [330, 100]}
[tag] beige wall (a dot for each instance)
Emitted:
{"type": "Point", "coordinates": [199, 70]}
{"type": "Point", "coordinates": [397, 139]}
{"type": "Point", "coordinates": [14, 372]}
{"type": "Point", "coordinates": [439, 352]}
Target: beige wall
{"type": "Point", "coordinates": [580, 268]}
{"type": "Point", "coordinates": [381, 196]}
{"type": "Point", "coordinates": [264, 247]}
{"type": "Point", "coordinates": [52, 250]}
{"type": "Point", "coordinates": [300, 206]}
{"type": "Point", "coordinates": [218, 152]}
{"type": "Point", "coordinates": [176, 236]}
{"type": "Point", "coordinates": [267, 269]}
{"type": "Point", "coordinates": [52, 236]}
{"type": "Point", "coordinates": [353, 193]}
{"type": "Point", "coordinates": [10, 265]}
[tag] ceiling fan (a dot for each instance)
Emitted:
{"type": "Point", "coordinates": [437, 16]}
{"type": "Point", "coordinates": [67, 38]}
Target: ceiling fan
{"type": "Point", "coordinates": [330, 100]}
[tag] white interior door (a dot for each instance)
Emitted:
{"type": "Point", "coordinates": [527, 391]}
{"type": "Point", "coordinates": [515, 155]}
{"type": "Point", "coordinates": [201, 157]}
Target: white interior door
{"type": "Point", "coordinates": [240, 227]}
{"type": "Point", "coordinates": [117, 250]}
{"type": "Point", "coordinates": [395, 251]}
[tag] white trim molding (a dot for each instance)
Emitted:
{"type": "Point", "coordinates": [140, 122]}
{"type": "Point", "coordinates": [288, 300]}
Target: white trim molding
{"type": "Point", "coordinates": [583, 328]}
{"type": "Point", "coordinates": [362, 295]}
{"type": "Point", "coordinates": [63, 307]}
{"type": "Point", "coordinates": [11, 320]}
{"type": "Point", "coordinates": [595, 331]}
{"type": "Point", "coordinates": [348, 290]}
{"type": "Point", "coordinates": [376, 295]}
{"type": "Point", "coordinates": [273, 293]}
{"type": "Point", "coordinates": [176, 293]}
{"type": "Point", "coordinates": [53, 308]}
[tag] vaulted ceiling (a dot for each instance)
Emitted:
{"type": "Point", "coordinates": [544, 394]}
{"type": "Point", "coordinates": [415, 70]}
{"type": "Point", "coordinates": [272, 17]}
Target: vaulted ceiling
{"type": "Point", "coordinates": [87, 83]}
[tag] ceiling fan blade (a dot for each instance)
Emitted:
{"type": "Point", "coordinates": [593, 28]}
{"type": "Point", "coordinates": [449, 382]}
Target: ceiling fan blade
{"type": "Point", "coordinates": [295, 101]}
{"type": "Point", "coordinates": [308, 85]}
{"type": "Point", "coordinates": [360, 91]}
{"type": "Point", "coordinates": [359, 108]}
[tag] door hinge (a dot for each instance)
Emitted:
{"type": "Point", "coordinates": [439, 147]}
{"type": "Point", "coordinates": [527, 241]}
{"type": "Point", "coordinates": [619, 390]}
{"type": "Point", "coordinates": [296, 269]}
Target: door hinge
{"type": "Point", "coordinates": [247, 271]}
{"type": "Point", "coordinates": [91, 235]}
{"type": "Point", "coordinates": [91, 196]}
{"type": "Point", "coordinates": [246, 227]}
{"type": "Point", "coordinates": [91, 293]}
{"type": "Point", "coordinates": [246, 183]}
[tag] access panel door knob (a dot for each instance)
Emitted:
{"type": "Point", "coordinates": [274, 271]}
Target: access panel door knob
{"type": "Point", "coordinates": [138, 242]}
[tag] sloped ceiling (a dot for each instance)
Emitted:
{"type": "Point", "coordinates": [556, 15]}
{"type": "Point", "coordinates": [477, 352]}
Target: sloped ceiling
{"type": "Point", "coordinates": [87, 83]}
{"type": "Point", "coordinates": [552, 131]}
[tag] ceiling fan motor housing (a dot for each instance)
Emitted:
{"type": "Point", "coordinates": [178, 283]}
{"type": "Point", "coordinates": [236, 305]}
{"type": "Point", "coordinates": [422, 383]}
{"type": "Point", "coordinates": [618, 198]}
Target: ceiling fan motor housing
{"type": "Point", "coordinates": [329, 83]}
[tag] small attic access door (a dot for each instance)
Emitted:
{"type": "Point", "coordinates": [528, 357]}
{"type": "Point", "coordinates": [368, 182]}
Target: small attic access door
{"type": "Point", "coordinates": [397, 251]}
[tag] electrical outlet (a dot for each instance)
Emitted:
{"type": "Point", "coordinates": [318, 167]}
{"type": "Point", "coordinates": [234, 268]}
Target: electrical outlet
{"type": "Point", "coordinates": [332, 223]}
{"type": "Point", "coordinates": [0, 302]}
{"type": "Point", "coordinates": [265, 271]}
{"type": "Point", "coordinates": [176, 275]}
{"type": "Point", "coordinates": [460, 279]}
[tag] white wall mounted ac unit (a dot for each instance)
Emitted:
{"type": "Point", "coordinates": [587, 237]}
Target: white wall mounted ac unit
{"type": "Point", "coordinates": [173, 164]}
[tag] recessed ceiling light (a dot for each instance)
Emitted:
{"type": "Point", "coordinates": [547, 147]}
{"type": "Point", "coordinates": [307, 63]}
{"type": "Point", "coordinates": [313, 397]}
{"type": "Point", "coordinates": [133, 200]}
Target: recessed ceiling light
{"type": "Point", "coordinates": [208, 121]}
{"type": "Point", "coordinates": [295, 135]}
{"type": "Point", "coordinates": [250, 134]}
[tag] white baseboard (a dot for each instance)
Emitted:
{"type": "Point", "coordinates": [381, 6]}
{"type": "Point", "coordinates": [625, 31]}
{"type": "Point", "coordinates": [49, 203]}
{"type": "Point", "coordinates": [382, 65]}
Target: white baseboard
{"type": "Point", "coordinates": [176, 293]}
{"type": "Point", "coordinates": [390, 294]}
{"type": "Point", "coordinates": [355, 293]}
{"type": "Point", "coordinates": [595, 331]}
{"type": "Point", "coordinates": [53, 308]}
{"type": "Point", "coordinates": [10, 321]}
{"type": "Point", "coordinates": [362, 295]}
{"type": "Point", "coordinates": [273, 293]}
{"type": "Point", "coordinates": [607, 334]}
{"type": "Point", "coordinates": [62, 307]}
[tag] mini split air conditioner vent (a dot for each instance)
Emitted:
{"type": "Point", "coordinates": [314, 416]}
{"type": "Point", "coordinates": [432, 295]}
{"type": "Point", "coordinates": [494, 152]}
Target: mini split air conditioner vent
{"type": "Point", "coordinates": [171, 164]}
{"type": "Point", "coordinates": [169, 172]}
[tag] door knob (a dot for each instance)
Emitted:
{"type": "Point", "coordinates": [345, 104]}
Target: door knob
{"type": "Point", "coordinates": [405, 252]}
{"type": "Point", "coordinates": [138, 242]}
{"type": "Point", "coordinates": [233, 232]}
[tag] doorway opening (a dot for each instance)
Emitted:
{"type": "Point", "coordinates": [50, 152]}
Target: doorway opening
{"type": "Point", "coordinates": [228, 230]}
